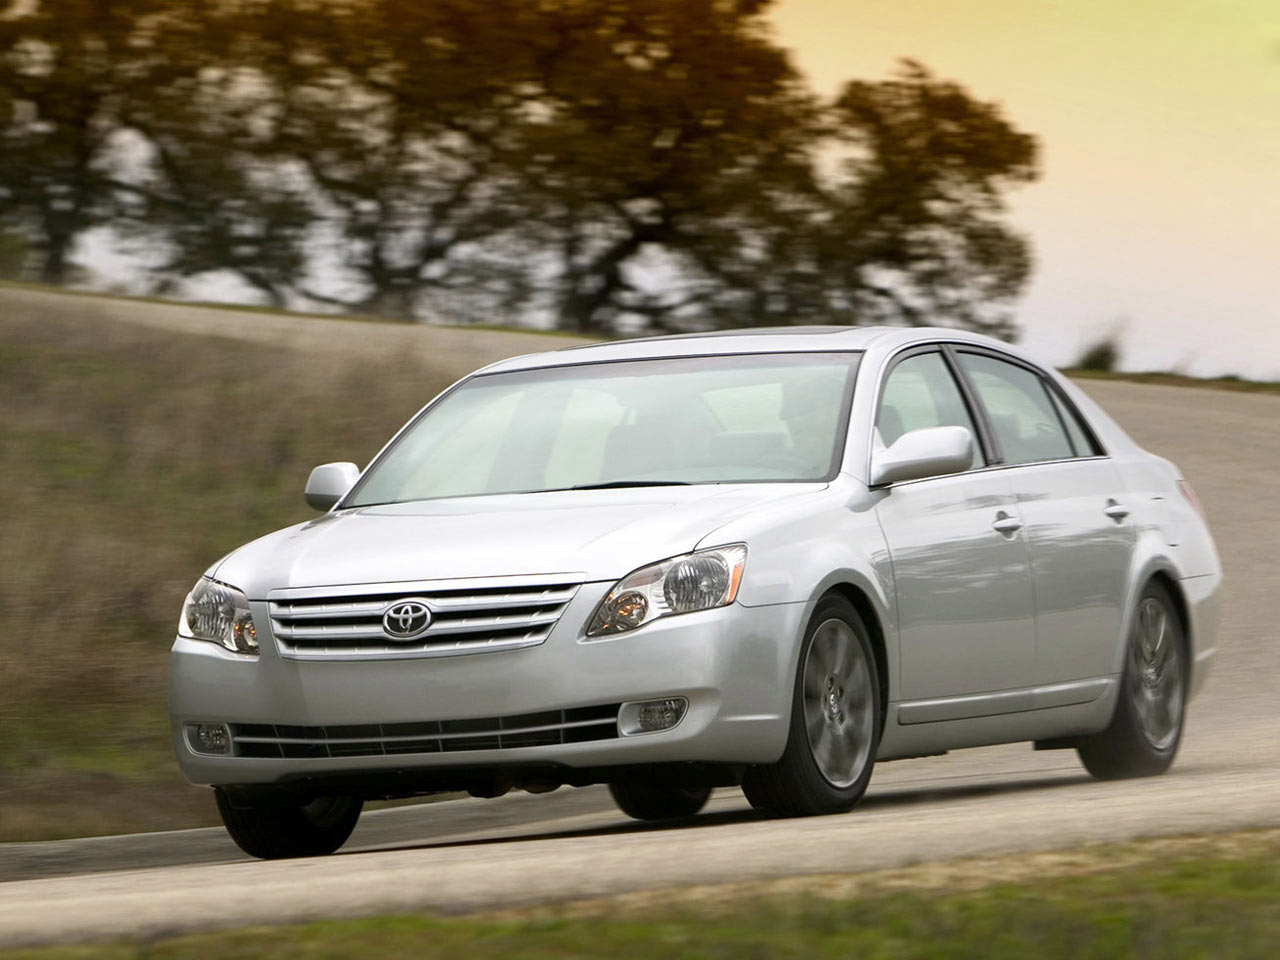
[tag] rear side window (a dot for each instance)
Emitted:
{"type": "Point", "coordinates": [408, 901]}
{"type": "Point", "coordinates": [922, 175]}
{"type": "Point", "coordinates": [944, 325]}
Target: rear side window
{"type": "Point", "coordinates": [920, 392]}
{"type": "Point", "coordinates": [1084, 446]}
{"type": "Point", "coordinates": [1020, 410]}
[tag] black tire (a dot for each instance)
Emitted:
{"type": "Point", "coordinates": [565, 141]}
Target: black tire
{"type": "Point", "coordinates": [278, 831]}
{"type": "Point", "coordinates": [658, 801]}
{"type": "Point", "coordinates": [1145, 731]}
{"type": "Point", "coordinates": [796, 785]}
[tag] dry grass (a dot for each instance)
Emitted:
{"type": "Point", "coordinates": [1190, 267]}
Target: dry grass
{"type": "Point", "coordinates": [941, 878]}
{"type": "Point", "coordinates": [131, 459]}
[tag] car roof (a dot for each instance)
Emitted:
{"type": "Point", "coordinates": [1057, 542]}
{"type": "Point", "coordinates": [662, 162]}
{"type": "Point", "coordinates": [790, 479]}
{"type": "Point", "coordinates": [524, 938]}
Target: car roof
{"type": "Point", "coordinates": [799, 339]}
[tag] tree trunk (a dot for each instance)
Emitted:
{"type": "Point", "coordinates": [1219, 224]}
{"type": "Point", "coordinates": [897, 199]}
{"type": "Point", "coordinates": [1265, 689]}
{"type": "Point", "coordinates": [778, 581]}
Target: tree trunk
{"type": "Point", "coordinates": [55, 264]}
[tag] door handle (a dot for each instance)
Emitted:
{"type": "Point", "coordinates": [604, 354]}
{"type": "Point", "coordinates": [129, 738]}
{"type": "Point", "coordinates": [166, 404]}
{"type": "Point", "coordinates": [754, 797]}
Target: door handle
{"type": "Point", "coordinates": [1006, 524]}
{"type": "Point", "coordinates": [1116, 511]}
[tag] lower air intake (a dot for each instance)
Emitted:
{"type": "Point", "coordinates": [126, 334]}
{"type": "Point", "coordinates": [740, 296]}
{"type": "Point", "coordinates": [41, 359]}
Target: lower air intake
{"type": "Point", "coordinates": [578, 725]}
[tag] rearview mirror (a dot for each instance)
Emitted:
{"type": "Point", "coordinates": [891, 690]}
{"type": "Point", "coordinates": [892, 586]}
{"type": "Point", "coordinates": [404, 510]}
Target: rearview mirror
{"type": "Point", "coordinates": [329, 483]}
{"type": "Point", "coordinates": [931, 452]}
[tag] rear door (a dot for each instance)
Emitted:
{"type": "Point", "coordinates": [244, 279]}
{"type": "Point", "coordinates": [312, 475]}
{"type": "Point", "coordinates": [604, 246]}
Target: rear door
{"type": "Point", "coordinates": [1072, 501]}
{"type": "Point", "coordinates": [965, 609]}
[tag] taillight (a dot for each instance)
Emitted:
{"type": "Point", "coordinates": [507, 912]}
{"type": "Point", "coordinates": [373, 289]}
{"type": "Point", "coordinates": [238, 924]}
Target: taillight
{"type": "Point", "coordinates": [1192, 499]}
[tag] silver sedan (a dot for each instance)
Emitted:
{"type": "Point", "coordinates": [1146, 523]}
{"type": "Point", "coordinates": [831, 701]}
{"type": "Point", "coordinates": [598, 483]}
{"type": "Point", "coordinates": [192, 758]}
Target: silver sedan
{"type": "Point", "coordinates": [766, 559]}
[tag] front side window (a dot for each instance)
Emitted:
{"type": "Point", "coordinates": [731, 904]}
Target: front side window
{"type": "Point", "coordinates": [722, 419]}
{"type": "Point", "coordinates": [920, 392]}
{"type": "Point", "coordinates": [1021, 412]}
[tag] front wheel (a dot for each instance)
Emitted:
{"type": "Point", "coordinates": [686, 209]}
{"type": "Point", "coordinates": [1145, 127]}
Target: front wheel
{"type": "Point", "coordinates": [835, 721]}
{"type": "Point", "coordinates": [274, 831]}
{"type": "Point", "coordinates": [1147, 726]}
{"type": "Point", "coordinates": [658, 801]}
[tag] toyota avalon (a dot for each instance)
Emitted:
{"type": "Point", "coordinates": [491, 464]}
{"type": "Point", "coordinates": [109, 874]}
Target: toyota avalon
{"type": "Point", "coordinates": [765, 559]}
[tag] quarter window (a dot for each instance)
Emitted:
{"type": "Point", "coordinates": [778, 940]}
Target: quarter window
{"type": "Point", "coordinates": [920, 392]}
{"type": "Point", "coordinates": [1020, 410]}
{"type": "Point", "coordinates": [1079, 437]}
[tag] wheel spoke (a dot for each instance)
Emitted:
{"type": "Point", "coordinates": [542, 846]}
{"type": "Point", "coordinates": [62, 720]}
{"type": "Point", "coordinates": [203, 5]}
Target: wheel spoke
{"type": "Point", "coordinates": [1160, 629]}
{"type": "Point", "coordinates": [840, 654]}
{"type": "Point", "coordinates": [858, 697]}
{"type": "Point", "coordinates": [814, 722]}
{"type": "Point", "coordinates": [1145, 709]}
{"type": "Point", "coordinates": [1166, 655]}
{"type": "Point", "coordinates": [1167, 716]}
{"type": "Point", "coordinates": [822, 647]}
{"type": "Point", "coordinates": [825, 747]}
{"type": "Point", "coordinates": [841, 756]}
{"type": "Point", "coordinates": [814, 686]}
{"type": "Point", "coordinates": [1148, 633]}
{"type": "Point", "coordinates": [854, 676]}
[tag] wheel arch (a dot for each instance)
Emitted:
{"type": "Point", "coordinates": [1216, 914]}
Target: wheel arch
{"type": "Point", "coordinates": [1159, 569]}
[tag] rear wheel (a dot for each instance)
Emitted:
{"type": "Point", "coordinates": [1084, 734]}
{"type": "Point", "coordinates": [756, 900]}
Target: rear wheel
{"type": "Point", "coordinates": [274, 831]}
{"type": "Point", "coordinates": [835, 721]}
{"type": "Point", "coordinates": [658, 801]}
{"type": "Point", "coordinates": [1147, 726]}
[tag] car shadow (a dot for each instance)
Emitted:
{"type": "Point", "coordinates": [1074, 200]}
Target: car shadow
{"type": "Point", "coordinates": [887, 799]}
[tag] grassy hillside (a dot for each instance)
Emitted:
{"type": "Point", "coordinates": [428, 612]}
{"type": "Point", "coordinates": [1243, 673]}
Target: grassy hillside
{"type": "Point", "coordinates": [130, 459]}
{"type": "Point", "coordinates": [1172, 379]}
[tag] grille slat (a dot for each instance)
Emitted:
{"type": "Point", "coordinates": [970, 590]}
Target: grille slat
{"type": "Point", "coordinates": [443, 603]}
{"type": "Point", "coordinates": [578, 725]}
{"type": "Point", "coordinates": [329, 611]}
{"type": "Point", "coordinates": [345, 631]}
{"type": "Point", "coordinates": [479, 617]}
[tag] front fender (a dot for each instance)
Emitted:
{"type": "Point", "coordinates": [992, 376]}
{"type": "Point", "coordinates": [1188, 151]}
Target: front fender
{"type": "Point", "coordinates": [798, 558]}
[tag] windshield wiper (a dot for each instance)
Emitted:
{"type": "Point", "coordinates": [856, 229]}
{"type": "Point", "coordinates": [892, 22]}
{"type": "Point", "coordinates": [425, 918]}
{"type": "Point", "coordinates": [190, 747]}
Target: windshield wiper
{"type": "Point", "coordinates": [631, 483]}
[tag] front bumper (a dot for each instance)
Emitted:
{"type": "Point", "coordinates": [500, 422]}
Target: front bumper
{"type": "Point", "coordinates": [733, 666]}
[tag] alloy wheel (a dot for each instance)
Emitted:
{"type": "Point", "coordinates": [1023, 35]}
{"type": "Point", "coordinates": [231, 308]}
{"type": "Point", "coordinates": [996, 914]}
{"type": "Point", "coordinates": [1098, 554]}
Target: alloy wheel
{"type": "Point", "coordinates": [1156, 675]}
{"type": "Point", "coordinates": [838, 703]}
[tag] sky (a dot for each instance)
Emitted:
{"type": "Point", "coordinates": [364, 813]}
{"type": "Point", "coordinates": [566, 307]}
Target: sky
{"type": "Point", "coordinates": [1158, 208]}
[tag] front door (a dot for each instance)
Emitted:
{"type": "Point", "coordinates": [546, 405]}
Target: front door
{"type": "Point", "coordinates": [966, 610]}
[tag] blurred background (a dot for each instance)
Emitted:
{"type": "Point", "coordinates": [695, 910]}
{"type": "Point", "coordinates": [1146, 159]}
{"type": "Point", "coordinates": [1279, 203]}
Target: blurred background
{"type": "Point", "coordinates": [1098, 180]}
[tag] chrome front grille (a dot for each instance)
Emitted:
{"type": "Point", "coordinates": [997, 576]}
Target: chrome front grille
{"type": "Point", "coordinates": [577, 725]}
{"type": "Point", "coordinates": [466, 617]}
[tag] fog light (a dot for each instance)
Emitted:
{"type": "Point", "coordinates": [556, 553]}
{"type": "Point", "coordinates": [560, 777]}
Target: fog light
{"type": "Point", "coordinates": [211, 739]}
{"type": "Point", "coordinates": [650, 716]}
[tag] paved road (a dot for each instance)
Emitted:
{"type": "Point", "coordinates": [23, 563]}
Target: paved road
{"type": "Point", "coordinates": [462, 855]}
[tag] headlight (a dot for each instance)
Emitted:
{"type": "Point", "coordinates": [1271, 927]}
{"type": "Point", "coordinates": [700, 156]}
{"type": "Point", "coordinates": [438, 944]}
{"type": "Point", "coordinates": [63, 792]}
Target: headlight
{"type": "Point", "coordinates": [220, 614]}
{"type": "Point", "coordinates": [695, 581]}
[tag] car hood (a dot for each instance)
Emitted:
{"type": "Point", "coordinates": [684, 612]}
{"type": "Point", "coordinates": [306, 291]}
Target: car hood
{"type": "Point", "coordinates": [591, 534]}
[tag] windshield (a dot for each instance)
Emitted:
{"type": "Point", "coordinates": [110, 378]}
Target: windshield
{"type": "Point", "coordinates": [725, 419]}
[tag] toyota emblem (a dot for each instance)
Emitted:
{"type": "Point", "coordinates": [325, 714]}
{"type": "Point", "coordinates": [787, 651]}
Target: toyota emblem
{"type": "Point", "coordinates": [406, 619]}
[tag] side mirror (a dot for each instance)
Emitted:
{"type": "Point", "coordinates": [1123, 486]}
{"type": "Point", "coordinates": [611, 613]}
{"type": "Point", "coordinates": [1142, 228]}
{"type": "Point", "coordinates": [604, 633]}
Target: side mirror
{"type": "Point", "coordinates": [329, 483]}
{"type": "Point", "coordinates": [931, 452]}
